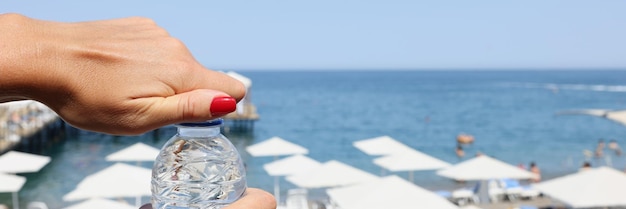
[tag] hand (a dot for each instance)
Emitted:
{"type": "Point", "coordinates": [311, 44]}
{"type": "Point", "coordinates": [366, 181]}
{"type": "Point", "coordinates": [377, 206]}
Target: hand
{"type": "Point", "coordinates": [252, 199]}
{"type": "Point", "coordinates": [122, 76]}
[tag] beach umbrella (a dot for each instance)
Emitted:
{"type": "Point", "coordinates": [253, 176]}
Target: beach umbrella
{"type": "Point", "coordinates": [387, 192]}
{"type": "Point", "coordinates": [483, 168]}
{"type": "Point", "coordinates": [275, 146]}
{"type": "Point", "coordinates": [470, 207]}
{"type": "Point", "coordinates": [13, 184]}
{"type": "Point", "coordinates": [383, 145]}
{"type": "Point", "coordinates": [599, 187]}
{"type": "Point", "coordinates": [21, 162]}
{"type": "Point", "coordinates": [118, 180]}
{"type": "Point", "coordinates": [618, 116]}
{"type": "Point", "coordinates": [135, 153]}
{"type": "Point", "coordinates": [410, 160]}
{"type": "Point", "coordinates": [289, 166]}
{"type": "Point", "coordinates": [99, 203]}
{"type": "Point", "coordinates": [330, 174]}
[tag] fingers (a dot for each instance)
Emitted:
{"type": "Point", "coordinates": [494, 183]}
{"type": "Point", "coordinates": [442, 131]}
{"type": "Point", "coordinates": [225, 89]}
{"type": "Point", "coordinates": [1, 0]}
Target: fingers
{"type": "Point", "coordinates": [194, 106]}
{"type": "Point", "coordinates": [209, 79]}
{"type": "Point", "coordinates": [254, 199]}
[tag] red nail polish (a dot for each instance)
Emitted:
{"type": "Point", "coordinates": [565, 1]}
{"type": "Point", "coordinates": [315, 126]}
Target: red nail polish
{"type": "Point", "coordinates": [223, 105]}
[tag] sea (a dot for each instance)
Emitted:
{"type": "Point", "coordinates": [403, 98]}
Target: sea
{"type": "Point", "coordinates": [514, 115]}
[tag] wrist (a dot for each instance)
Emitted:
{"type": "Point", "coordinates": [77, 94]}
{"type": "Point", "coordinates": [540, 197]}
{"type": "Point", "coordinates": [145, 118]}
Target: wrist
{"type": "Point", "coordinates": [25, 58]}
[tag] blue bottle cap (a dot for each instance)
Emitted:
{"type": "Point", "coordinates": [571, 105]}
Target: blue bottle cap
{"type": "Point", "coordinates": [215, 122]}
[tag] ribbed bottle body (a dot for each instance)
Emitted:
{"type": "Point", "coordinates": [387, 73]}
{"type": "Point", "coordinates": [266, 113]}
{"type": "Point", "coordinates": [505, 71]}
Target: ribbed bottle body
{"type": "Point", "coordinates": [197, 170]}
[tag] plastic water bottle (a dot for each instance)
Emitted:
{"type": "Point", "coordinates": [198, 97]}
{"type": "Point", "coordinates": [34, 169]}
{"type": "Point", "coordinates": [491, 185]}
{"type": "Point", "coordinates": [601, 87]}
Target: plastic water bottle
{"type": "Point", "coordinates": [198, 168]}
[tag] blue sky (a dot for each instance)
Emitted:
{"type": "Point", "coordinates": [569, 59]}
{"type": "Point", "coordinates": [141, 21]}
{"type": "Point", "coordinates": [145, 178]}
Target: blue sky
{"type": "Point", "coordinates": [367, 34]}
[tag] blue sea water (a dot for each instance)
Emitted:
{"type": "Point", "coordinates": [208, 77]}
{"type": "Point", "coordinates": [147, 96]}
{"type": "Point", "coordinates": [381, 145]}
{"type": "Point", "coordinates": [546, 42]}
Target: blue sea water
{"type": "Point", "coordinates": [512, 115]}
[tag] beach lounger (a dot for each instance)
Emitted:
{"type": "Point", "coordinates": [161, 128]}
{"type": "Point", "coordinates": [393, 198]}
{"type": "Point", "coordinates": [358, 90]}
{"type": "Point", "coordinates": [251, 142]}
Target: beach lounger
{"type": "Point", "coordinates": [464, 196]}
{"type": "Point", "coordinates": [297, 199]}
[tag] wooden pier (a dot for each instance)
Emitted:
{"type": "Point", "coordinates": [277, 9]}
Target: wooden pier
{"type": "Point", "coordinates": [241, 120]}
{"type": "Point", "coordinates": [23, 119]}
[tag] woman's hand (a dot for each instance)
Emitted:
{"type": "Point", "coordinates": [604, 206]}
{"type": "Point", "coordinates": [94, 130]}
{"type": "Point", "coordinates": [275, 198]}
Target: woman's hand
{"type": "Point", "coordinates": [121, 76]}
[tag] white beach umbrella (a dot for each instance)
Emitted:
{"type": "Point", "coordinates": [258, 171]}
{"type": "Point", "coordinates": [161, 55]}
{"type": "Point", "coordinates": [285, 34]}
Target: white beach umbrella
{"type": "Point", "coordinates": [21, 162]}
{"type": "Point", "coordinates": [289, 166]}
{"type": "Point", "coordinates": [99, 203]}
{"type": "Point", "coordinates": [275, 146]}
{"type": "Point", "coordinates": [387, 192]}
{"type": "Point", "coordinates": [618, 116]}
{"type": "Point", "coordinates": [135, 153]}
{"type": "Point", "coordinates": [383, 145]}
{"type": "Point", "coordinates": [599, 187]}
{"type": "Point", "coordinates": [13, 184]}
{"type": "Point", "coordinates": [411, 160]}
{"type": "Point", "coordinates": [118, 180]}
{"type": "Point", "coordinates": [484, 168]}
{"type": "Point", "coordinates": [470, 207]}
{"type": "Point", "coordinates": [331, 174]}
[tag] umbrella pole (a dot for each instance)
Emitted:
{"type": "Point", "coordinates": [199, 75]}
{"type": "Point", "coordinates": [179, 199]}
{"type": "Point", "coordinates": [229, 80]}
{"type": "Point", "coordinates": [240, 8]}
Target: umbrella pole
{"type": "Point", "coordinates": [15, 201]}
{"type": "Point", "coordinates": [137, 201]}
{"type": "Point", "coordinates": [276, 190]}
{"type": "Point", "coordinates": [411, 176]}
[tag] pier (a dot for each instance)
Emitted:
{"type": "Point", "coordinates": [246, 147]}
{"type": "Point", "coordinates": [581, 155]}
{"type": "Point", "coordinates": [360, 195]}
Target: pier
{"type": "Point", "coordinates": [242, 120]}
{"type": "Point", "coordinates": [23, 119]}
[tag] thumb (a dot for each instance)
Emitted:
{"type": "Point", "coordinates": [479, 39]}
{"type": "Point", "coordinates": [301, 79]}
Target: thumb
{"type": "Point", "coordinates": [193, 106]}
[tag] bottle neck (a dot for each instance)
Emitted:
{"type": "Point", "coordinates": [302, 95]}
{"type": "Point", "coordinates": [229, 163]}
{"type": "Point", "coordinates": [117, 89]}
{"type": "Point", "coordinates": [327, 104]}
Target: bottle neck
{"type": "Point", "coordinates": [209, 131]}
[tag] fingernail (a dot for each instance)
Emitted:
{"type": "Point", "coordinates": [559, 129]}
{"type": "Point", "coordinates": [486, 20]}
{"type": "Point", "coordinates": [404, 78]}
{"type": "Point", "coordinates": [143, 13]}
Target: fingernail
{"type": "Point", "coordinates": [223, 105]}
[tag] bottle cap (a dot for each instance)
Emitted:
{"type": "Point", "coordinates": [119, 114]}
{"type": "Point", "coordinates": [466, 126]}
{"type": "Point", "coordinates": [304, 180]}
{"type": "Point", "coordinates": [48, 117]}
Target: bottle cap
{"type": "Point", "coordinates": [214, 122]}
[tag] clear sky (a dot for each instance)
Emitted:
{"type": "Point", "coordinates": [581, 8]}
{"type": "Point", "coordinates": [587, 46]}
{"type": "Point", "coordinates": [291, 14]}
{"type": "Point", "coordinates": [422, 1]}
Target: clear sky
{"type": "Point", "coordinates": [368, 34]}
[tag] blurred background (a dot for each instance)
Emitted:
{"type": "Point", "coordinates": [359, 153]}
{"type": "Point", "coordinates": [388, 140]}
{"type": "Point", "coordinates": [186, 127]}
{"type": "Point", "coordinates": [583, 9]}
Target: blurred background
{"type": "Point", "coordinates": [325, 74]}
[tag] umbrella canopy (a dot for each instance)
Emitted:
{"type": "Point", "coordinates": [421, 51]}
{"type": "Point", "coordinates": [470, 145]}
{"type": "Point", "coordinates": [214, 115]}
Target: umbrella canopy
{"type": "Point", "coordinates": [118, 180]}
{"type": "Point", "coordinates": [618, 116]}
{"type": "Point", "coordinates": [21, 162]}
{"type": "Point", "coordinates": [291, 165]}
{"type": "Point", "coordinates": [411, 160]}
{"type": "Point", "coordinates": [275, 146]}
{"type": "Point", "coordinates": [98, 203]}
{"type": "Point", "coordinates": [600, 187]}
{"type": "Point", "coordinates": [383, 145]}
{"type": "Point", "coordinates": [484, 168]}
{"type": "Point", "coordinates": [137, 152]}
{"type": "Point", "coordinates": [11, 183]}
{"type": "Point", "coordinates": [387, 192]}
{"type": "Point", "coordinates": [330, 174]}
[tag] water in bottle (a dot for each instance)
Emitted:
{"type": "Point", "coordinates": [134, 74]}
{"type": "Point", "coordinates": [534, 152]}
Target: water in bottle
{"type": "Point", "coordinates": [198, 168]}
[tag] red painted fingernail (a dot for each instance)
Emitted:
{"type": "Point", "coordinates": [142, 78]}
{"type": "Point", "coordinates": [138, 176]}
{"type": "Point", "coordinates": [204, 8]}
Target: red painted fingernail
{"type": "Point", "coordinates": [223, 105]}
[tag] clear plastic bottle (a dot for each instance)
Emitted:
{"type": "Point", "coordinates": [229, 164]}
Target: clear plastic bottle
{"type": "Point", "coordinates": [198, 168]}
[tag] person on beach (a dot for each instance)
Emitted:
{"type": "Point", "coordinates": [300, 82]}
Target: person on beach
{"type": "Point", "coordinates": [615, 147]}
{"type": "Point", "coordinates": [535, 170]}
{"type": "Point", "coordinates": [600, 148]}
{"type": "Point", "coordinates": [586, 166]}
{"type": "Point", "coordinates": [122, 76]}
{"type": "Point", "coordinates": [459, 151]}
